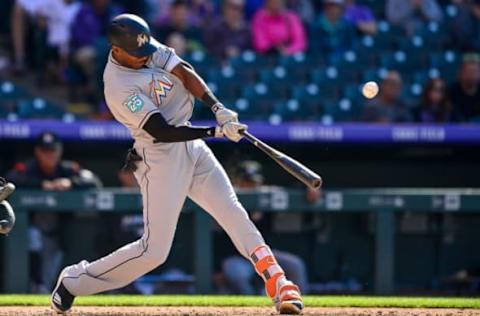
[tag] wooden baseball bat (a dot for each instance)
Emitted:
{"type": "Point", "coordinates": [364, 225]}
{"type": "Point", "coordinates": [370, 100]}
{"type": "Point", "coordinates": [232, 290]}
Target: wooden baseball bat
{"type": "Point", "coordinates": [294, 167]}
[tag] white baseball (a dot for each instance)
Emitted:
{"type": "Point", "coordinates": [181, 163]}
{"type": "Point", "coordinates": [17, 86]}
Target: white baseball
{"type": "Point", "coordinates": [370, 90]}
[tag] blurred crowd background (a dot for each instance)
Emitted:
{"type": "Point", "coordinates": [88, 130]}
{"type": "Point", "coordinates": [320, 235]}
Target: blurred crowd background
{"type": "Point", "coordinates": [271, 60]}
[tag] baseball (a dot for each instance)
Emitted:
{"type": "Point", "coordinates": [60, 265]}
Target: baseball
{"type": "Point", "coordinates": [370, 89]}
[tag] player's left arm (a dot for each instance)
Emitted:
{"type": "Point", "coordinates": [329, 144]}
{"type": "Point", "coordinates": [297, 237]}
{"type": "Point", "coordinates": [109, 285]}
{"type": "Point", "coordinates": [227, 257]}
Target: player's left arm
{"type": "Point", "coordinates": [226, 118]}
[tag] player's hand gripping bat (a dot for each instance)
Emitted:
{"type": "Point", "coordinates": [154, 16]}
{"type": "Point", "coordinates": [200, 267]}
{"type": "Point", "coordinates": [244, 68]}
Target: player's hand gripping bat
{"type": "Point", "coordinates": [295, 168]}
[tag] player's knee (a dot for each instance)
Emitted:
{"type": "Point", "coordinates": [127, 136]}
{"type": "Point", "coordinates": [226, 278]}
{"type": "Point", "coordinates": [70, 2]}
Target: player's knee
{"type": "Point", "coordinates": [155, 256]}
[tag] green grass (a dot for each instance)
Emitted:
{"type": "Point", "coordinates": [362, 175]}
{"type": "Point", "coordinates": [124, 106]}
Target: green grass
{"type": "Point", "coordinates": [211, 300]}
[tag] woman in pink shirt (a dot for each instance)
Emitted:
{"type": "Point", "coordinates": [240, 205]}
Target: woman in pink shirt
{"type": "Point", "coordinates": [276, 29]}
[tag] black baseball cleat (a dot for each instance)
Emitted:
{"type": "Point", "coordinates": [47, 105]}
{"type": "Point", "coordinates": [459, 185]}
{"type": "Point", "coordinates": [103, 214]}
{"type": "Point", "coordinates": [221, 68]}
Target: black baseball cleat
{"type": "Point", "coordinates": [61, 300]}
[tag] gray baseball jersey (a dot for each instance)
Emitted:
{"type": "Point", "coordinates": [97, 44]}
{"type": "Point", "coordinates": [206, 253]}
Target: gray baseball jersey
{"type": "Point", "coordinates": [167, 174]}
{"type": "Point", "coordinates": [133, 95]}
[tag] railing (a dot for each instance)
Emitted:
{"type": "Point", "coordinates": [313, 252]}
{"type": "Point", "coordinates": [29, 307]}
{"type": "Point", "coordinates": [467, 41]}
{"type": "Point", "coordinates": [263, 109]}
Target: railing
{"type": "Point", "coordinates": [383, 202]}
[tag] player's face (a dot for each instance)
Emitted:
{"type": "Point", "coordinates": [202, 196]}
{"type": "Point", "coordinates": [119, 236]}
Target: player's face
{"type": "Point", "coordinates": [48, 158]}
{"type": "Point", "coordinates": [470, 73]}
{"type": "Point", "coordinates": [233, 11]}
{"type": "Point", "coordinates": [436, 93]}
{"type": "Point", "coordinates": [333, 11]}
{"type": "Point", "coordinates": [274, 5]}
{"type": "Point", "coordinates": [128, 60]}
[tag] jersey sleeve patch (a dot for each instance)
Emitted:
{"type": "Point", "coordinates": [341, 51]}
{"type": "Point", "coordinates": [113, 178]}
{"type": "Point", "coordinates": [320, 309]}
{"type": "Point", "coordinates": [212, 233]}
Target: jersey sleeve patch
{"type": "Point", "coordinates": [134, 103]}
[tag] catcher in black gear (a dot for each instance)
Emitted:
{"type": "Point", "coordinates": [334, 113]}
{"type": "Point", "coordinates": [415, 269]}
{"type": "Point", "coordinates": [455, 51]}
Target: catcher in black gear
{"type": "Point", "coordinates": [7, 219]}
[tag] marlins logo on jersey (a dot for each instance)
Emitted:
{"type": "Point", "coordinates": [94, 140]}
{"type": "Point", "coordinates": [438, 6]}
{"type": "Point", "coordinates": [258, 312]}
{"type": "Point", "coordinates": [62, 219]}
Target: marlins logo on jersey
{"type": "Point", "coordinates": [160, 88]}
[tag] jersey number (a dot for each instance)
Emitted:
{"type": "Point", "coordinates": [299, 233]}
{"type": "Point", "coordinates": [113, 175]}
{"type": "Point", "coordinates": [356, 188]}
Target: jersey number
{"type": "Point", "coordinates": [134, 103]}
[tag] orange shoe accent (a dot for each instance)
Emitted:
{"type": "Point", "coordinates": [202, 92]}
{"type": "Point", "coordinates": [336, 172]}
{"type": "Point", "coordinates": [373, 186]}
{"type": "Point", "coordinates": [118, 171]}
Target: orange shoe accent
{"type": "Point", "coordinates": [271, 285]}
{"type": "Point", "coordinates": [289, 292]}
{"type": "Point", "coordinates": [267, 267]}
{"type": "Point", "coordinates": [289, 300]}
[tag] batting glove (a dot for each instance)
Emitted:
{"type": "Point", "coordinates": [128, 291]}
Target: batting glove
{"type": "Point", "coordinates": [233, 131]}
{"type": "Point", "coordinates": [224, 115]}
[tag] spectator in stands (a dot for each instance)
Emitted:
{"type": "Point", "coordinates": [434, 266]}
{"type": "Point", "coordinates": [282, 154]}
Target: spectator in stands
{"type": "Point", "coordinates": [59, 15]}
{"type": "Point", "coordinates": [155, 10]}
{"type": "Point", "coordinates": [178, 20]}
{"type": "Point", "coordinates": [138, 7]}
{"type": "Point", "coordinates": [333, 31]}
{"type": "Point", "coordinates": [47, 171]}
{"type": "Point", "coordinates": [178, 43]}
{"type": "Point", "coordinates": [49, 21]}
{"type": "Point", "coordinates": [277, 30]}
{"type": "Point", "coordinates": [237, 271]}
{"type": "Point", "coordinates": [466, 27]}
{"type": "Point", "coordinates": [435, 106]}
{"type": "Point", "coordinates": [388, 106]}
{"type": "Point", "coordinates": [412, 14]}
{"type": "Point", "coordinates": [23, 17]}
{"type": "Point", "coordinates": [304, 9]}
{"type": "Point", "coordinates": [230, 35]}
{"type": "Point", "coordinates": [361, 16]}
{"type": "Point", "coordinates": [251, 8]}
{"type": "Point", "coordinates": [88, 32]}
{"type": "Point", "coordinates": [465, 92]}
{"type": "Point", "coordinates": [202, 12]}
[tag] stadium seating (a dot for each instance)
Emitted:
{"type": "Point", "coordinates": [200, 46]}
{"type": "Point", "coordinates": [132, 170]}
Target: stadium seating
{"type": "Point", "coordinates": [259, 86]}
{"type": "Point", "coordinates": [278, 80]}
{"type": "Point", "coordinates": [447, 63]}
{"type": "Point", "coordinates": [306, 102]}
{"type": "Point", "coordinates": [225, 82]}
{"type": "Point", "coordinates": [298, 110]}
{"type": "Point", "coordinates": [435, 35]}
{"type": "Point", "coordinates": [202, 62]}
{"type": "Point", "coordinates": [329, 81]}
{"type": "Point", "coordinates": [300, 65]}
{"type": "Point", "coordinates": [342, 110]}
{"type": "Point", "coordinates": [261, 99]}
{"type": "Point", "coordinates": [38, 108]}
{"type": "Point", "coordinates": [11, 91]}
{"type": "Point", "coordinates": [249, 64]}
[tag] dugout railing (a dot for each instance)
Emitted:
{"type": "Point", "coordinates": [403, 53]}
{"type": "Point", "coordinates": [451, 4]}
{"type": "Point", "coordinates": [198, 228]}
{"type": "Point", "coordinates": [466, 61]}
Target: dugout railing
{"type": "Point", "coordinates": [382, 202]}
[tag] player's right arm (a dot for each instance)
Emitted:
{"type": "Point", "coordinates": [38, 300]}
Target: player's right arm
{"type": "Point", "coordinates": [227, 119]}
{"type": "Point", "coordinates": [133, 108]}
{"type": "Point", "coordinates": [159, 129]}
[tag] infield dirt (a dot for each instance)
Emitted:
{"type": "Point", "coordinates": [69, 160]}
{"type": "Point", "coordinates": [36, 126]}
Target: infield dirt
{"type": "Point", "coordinates": [214, 311]}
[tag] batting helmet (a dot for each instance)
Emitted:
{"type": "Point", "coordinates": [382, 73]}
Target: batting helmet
{"type": "Point", "coordinates": [131, 33]}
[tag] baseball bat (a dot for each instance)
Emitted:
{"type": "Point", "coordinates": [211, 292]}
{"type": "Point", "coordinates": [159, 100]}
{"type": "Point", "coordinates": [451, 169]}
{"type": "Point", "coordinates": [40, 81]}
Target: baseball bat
{"type": "Point", "coordinates": [295, 168]}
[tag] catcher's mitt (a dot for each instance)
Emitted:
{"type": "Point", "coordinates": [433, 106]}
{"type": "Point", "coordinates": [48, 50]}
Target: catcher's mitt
{"type": "Point", "coordinates": [7, 220]}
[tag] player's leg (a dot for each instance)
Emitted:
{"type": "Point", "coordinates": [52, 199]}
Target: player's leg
{"type": "Point", "coordinates": [212, 190]}
{"type": "Point", "coordinates": [162, 205]}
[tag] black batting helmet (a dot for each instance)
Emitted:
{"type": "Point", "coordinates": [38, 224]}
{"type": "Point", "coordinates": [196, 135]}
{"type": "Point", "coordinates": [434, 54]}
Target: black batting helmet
{"type": "Point", "coordinates": [131, 33]}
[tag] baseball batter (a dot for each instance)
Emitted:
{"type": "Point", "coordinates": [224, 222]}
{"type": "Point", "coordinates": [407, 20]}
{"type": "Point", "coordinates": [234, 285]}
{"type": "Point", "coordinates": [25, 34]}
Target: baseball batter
{"type": "Point", "coordinates": [150, 90]}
